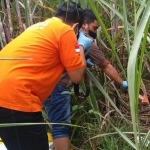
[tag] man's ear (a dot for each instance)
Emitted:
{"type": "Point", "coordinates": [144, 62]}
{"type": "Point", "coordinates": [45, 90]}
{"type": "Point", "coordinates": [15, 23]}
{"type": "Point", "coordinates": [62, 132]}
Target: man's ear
{"type": "Point", "coordinates": [75, 25]}
{"type": "Point", "coordinates": [84, 24]}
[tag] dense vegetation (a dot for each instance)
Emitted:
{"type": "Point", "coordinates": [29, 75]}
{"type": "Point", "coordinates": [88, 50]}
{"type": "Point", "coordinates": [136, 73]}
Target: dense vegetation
{"type": "Point", "coordinates": [110, 118]}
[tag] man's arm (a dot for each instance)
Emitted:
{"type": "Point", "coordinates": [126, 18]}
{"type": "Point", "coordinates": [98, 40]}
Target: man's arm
{"type": "Point", "coordinates": [77, 75]}
{"type": "Point", "coordinates": [97, 57]}
{"type": "Point", "coordinates": [72, 56]}
{"type": "Point", "coordinates": [84, 46]}
{"type": "Point", "coordinates": [110, 71]}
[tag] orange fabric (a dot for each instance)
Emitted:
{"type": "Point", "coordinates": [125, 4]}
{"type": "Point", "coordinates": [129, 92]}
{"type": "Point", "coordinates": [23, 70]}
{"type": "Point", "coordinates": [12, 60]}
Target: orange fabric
{"type": "Point", "coordinates": [24, 84]}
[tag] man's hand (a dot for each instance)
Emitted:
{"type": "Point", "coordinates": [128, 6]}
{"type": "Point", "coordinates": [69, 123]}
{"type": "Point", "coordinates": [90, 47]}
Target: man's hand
{"type": "Point", "coordinates": [124, 85]}
{"type": "Point", "coordinates": [85, 42]}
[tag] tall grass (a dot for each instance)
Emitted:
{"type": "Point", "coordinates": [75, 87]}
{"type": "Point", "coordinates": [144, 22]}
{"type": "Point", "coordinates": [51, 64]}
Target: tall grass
{"type": "Point", "coordinates": [134, 76]}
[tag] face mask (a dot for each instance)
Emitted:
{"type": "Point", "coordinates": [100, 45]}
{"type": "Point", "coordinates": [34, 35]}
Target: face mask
{"type": "Point", "coordinates": [92, 34]}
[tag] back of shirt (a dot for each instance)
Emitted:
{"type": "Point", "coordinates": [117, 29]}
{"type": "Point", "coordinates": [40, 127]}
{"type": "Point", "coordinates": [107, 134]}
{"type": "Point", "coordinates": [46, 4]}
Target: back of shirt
{"type": "Point", "coordinates": [39, 56]}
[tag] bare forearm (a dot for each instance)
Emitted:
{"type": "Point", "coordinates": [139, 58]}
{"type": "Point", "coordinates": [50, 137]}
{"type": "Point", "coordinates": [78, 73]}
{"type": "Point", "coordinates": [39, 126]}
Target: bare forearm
{"type": "Point", "coordinates": [111, 72]}
{"type": "Point", "coordinates": [77, 75]}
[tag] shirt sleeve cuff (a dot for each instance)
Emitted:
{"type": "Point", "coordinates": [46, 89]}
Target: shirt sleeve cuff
{"type": "Point", "coordinates": [72, 68]}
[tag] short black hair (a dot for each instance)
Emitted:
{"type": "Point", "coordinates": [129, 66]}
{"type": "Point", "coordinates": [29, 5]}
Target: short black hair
{"type": "Point", "coordinates": [71, 12]}
{"type": "Point", "coordinates": [89, 15]}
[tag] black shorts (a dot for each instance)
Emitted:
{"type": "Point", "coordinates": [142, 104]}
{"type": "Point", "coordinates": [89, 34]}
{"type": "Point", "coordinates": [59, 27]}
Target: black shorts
{"type": "Point", "coordinates": [28, 137]}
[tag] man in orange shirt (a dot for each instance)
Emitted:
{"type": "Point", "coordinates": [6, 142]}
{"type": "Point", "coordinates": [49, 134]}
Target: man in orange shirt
{"type": "Point", "coordinates": [57, 104]}
{"type": "Point", "coordinates": [32, 65]}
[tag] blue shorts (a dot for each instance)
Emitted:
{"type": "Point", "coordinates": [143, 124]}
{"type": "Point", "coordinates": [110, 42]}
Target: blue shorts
{"type": "Point", "coordinates": [57, 106]}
